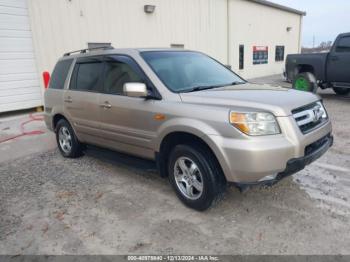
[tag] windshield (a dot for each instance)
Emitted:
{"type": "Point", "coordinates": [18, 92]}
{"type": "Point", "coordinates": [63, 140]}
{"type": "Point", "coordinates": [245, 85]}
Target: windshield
{"type": "Point", "coordinates": [184, 71]}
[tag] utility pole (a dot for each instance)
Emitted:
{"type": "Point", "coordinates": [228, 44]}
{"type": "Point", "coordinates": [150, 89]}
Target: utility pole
{"type": "Point", "coordinates": [313, 41]}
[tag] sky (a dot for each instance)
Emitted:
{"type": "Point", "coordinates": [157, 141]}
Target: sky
{"type": "Point", "coordinates": [324, 19]}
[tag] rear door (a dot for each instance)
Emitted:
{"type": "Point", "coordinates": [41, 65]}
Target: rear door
{"type": "Point", "coordinates": [338, 69]}
{"type": "Point", "coordinates": [81, 100]}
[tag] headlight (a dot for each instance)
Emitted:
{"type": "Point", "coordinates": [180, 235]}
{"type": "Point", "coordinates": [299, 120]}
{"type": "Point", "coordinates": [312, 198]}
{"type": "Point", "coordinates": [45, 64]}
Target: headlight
{"type": "Point", "coordinates": [322, 111]}
{"type": "Point", "coordinates": [255, 123]}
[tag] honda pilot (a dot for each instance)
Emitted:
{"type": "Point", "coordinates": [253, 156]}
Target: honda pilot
{"type": "Point", "coordinates": [205, 126]}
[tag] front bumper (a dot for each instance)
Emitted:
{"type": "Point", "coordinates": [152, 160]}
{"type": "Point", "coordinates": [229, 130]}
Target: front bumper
{"type": "Point", "coordinates": [48, 121]}
{"type": "Point", "coordinates": [254, 159]}
{"type": "Point", "coordinates": [294, 165]}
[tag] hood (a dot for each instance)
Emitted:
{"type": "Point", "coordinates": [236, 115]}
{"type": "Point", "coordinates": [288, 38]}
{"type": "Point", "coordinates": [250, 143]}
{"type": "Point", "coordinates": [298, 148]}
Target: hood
{"type": "Point", "coordinates": [246, 97]}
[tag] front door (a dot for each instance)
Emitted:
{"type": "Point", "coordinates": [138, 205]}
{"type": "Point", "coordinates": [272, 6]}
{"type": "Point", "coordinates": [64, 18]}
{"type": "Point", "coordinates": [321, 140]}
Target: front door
{"type": "Point", "coordinates": [338, 69]}
{"type": "Point", "coordinates": [127, 123]}
{"type": "Point", "coordinates": [81, 100]}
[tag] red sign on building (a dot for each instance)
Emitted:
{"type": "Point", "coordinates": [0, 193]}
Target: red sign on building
{"type": "Point", "coordinates": [260, 55]}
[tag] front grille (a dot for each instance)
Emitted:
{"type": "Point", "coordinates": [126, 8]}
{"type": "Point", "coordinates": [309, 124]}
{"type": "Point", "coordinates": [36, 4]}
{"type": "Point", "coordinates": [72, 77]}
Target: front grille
{"type": "Point", "coordinates": [309, 117]}
{"type": "Point", "coordinates": [316, 145]}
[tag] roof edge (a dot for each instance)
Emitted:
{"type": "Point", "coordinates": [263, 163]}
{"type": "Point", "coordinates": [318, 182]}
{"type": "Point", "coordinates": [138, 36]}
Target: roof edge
{"type": "Point", "coordinates": [278, 6]}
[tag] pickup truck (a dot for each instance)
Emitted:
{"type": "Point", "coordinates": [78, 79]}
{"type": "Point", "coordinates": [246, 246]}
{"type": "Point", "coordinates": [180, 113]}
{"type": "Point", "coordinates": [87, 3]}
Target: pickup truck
{"type": "Point", "coordinates": [307, 72]}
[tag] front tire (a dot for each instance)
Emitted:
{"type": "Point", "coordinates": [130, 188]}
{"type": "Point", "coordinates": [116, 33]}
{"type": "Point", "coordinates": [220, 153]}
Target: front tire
{"type": "Point", "coordinates": [196, 176]}
{"type": "Point", "coordinates": [67, 141]}
{"type": "Point", "coordinates": [305, 82]}
{"type": "Point", "coordinates": [341, 91]}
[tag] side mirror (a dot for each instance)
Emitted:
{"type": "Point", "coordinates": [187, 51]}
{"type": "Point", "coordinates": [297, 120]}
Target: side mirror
{"type": "Point", "coordinates": [135, 89]}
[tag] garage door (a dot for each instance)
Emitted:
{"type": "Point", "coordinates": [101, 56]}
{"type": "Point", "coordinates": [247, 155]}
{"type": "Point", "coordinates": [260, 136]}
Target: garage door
{"type": "Point", "coordinates": [19, 86]}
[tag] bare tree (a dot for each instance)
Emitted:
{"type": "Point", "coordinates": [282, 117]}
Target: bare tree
{"type": "Point", "coordinates": [324, 46]}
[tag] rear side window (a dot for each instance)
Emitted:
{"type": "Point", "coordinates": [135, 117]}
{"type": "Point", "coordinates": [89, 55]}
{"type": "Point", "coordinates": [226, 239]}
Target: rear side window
{"type": "Point", "coordinates": [86, 77]}
{"type": "Point", "coordinates": [60, 73]}
{"type": "Point", "coordinates": [343, 44]}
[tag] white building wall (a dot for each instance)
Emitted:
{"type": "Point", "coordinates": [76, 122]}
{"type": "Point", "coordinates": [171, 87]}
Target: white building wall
{"type": "Point", "coordinates": [62, 25]}
{"type": "Point", "coordinates": [253, 24]}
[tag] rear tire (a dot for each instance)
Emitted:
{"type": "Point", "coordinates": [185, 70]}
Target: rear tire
{"type": "Point", "coordinates": [305, 82]}
{"type": "Point", "coordinates": [67, 141]}
{"type": "Point", "coordinates": [341, 91]}
{"type": "Point", "coordinates": [196, 176]}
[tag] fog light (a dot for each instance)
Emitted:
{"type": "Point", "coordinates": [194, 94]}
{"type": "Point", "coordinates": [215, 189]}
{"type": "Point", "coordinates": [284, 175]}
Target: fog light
{"type": "Point", "coordinates": [267, 178]}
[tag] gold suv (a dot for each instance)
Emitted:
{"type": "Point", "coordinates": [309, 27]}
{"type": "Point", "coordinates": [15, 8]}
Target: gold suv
{"type": "Point", "coordinates": [203, 124]}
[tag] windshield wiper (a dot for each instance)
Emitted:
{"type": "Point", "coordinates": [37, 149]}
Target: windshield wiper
{"type": "Point", "coordinates": [200, 88]}
{"type": "Point", "coordinates": [197, 88]}
{"type": "Point", "coordinates": [235, 83]}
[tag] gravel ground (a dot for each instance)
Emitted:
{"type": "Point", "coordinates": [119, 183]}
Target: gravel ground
{"type": "Point", "coordinates": [109, 203]}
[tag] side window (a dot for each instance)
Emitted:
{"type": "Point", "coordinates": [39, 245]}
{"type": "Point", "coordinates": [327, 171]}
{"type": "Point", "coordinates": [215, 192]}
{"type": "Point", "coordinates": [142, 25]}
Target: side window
{"type": "Point", "coordinates": [279, 55]}
{"type": "Point", "coordinates": [117, 73]}
{"type": "Point", "coordinates": [59, 74]}
{"type": "Point", "coordinates": [86, 76]}
{"type": "Point", "coordinates": [343, 45]}
{"type": "Point", "coordinates": [241, 57]}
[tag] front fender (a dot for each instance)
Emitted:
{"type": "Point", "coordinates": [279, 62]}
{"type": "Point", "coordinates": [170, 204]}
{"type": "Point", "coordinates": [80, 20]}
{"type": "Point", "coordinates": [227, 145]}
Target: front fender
{"type": "Point", "coordinates": [186, 125]}
{"type": "Point", "coordinates": [200, 129]}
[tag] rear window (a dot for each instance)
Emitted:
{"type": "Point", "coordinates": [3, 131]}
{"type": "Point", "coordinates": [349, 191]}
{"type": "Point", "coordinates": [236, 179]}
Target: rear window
{"type": "Point", "coordinates": [60, 73]}
{"type": "Point", "coordinates": [343, 44]}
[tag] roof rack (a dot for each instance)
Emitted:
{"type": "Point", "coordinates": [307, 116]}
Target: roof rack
{"type": "Point", "coordinates": [83, 51]}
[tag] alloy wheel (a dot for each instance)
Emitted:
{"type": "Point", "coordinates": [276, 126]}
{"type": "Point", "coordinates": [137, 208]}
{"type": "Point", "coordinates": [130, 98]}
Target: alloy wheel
{"type": "Point", "coordinates": [65, 139]}
{"type": "Point", "coordinates": [188, 178]}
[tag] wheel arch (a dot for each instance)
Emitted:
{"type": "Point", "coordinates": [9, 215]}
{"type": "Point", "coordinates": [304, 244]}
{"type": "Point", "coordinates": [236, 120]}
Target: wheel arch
{"type": "Point", "coordinates": [175, 138]}
{"type": "Point", "coordinates": [305, 68]}
{"type": "Point", "coordinates": [57, 117]}
{"type": "Point", "coordinates": [317, 69]}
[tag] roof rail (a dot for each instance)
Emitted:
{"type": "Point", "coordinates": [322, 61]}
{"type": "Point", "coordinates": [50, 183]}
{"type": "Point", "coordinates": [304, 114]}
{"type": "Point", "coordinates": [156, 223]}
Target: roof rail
{"type": "Point", "coordinates": [83, 51]}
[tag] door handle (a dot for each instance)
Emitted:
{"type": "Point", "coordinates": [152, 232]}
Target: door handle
{"type": "Point", "coordinates": [68, 100]}
{"type": "Point", "coordinates": [106, 105]}
{"type": "Point", "coordinates": [334, 58]}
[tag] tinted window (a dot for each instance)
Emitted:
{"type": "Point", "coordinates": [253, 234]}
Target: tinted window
{"type": "Point", "coordinates": [86, 76]}
{"type": "Point", "coordinates": [279, 56]}
{"type": "Point", "coordinates": [59, 74]}
{"type": "Point", "coordinates": [181, 70]}
{"type": "Point", "coordinates": [117, 74]}
{"type": "Point", "coordinates": [241, 57]}
{"type": "Point", "coordinates": [343, 44]}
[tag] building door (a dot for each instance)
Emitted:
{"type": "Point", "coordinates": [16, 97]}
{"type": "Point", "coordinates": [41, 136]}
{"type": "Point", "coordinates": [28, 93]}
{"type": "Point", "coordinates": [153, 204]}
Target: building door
{"type": "Point", "coordinates": [19, 85]}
